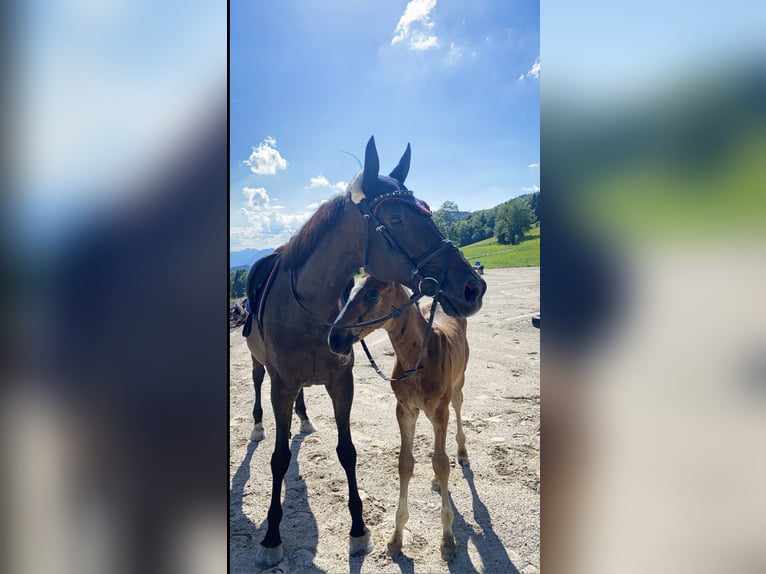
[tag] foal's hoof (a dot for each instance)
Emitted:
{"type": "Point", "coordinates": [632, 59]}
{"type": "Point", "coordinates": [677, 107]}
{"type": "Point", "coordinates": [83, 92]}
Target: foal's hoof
{"type": "Point", "coordinates": [448, 550]}
{"type": "Point", "coordinates": [257, 435]}
{"type": "Point", "coordinates": [266, 557]}
{"type": "Point", "coordinates": [394, 546]}
{"type": "Point", "coordinates": [393, 550]}
{"type": "Point", "coordinates": [307, 427]}
{"type": "Point", "coordinates": [360, 545]}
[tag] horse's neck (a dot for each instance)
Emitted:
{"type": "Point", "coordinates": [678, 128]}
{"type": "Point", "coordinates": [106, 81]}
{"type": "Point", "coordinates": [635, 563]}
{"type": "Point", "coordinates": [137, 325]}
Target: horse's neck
{"type": "Point", "coordinates": [332, 264]}
{"type": "Point", "coordinates": [409, 328]}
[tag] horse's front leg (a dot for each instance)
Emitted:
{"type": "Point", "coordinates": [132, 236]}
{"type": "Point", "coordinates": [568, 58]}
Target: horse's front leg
{"type": "Point", "coordinates": [342, 395]}
{"type": "Point", "coordinates": [270, 550]}
{"type": "Point", "coordinates": [440, 461]}
{"type": "Point", "coordinates": [406, 417]}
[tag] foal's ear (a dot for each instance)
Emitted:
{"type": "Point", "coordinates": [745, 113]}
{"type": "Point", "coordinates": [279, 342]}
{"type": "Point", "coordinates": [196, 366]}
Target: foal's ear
{"type": "Point", "coordinates": [403, 167]}
{"type": "Point", "coordinates": [371, 167]}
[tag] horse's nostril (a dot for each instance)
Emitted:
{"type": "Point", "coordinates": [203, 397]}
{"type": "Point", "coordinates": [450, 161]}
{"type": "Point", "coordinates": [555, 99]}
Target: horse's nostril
{"type": "Point", "coordinates": [472, 291]}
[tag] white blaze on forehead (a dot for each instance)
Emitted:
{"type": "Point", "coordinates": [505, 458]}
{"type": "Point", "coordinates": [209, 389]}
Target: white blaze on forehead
{"type": "Point", "coordinates": [358, 286]}
{"type": "Point", "coordinates": [355, 187]}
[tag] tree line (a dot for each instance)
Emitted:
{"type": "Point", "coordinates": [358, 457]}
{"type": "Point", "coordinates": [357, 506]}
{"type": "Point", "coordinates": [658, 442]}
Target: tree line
{"type": "Point", "coordinates": [237, 283]}
{"type": "Point", "coordinates": [507, 222]}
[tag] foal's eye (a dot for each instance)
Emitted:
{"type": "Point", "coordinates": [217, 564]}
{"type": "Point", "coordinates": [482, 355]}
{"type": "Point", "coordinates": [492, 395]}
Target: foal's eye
{"type": "Point", "coordinates": [371, 296]}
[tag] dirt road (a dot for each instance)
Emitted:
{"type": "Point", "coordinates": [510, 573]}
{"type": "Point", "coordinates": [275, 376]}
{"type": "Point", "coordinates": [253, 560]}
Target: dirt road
{"type": "Point", "coordinates": [496, 501]}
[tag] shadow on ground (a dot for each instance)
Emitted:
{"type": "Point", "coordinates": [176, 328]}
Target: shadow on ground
{"type": "Point", "coordinates": [298, 528]}
{"type": "Point", "coordinates": [494, 557]}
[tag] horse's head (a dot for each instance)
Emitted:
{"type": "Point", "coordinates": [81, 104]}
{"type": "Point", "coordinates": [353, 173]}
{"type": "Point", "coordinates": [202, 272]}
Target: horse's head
{"type": "Point", "coordinates": [403, 243]}
{"type": "Point", "coordinates": [369, 299]}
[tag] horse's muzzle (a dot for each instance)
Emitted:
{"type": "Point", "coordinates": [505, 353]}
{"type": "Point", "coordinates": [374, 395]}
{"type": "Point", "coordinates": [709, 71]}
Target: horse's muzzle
{"type": "Point", "coordinates": [340, 341]}
{"type": "Point", "coordinates": [466, 300]}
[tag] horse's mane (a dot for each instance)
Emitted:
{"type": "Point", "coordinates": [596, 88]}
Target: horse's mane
{"type": "Point", "coordinates": [299, 248]}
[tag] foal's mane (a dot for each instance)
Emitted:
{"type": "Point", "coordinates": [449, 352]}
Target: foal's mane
{"type": "Point", "coordinates": [299, 248]}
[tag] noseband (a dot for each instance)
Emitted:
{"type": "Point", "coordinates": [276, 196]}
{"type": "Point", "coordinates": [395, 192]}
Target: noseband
{"type": "Point", "coordinates": [425, 285]}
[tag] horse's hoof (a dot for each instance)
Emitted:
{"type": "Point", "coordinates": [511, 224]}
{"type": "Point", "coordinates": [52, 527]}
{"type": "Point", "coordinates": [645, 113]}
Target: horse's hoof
{"type": "Point", "coordinates": [448, 550]}
{"type": "Point", "coordinates": [307, 427]}
{"type": "Point", "coordinates": [257, 435]}
{"type": "Point", "coordinates": [360, 545]}
{"type": "Point", "coordinates": [266, 557]}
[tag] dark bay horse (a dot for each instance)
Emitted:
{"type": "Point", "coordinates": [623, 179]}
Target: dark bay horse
{"type": "Point", "coordinates": [379, 224]}
{"type": "Point", "coordinates": [430, 388]}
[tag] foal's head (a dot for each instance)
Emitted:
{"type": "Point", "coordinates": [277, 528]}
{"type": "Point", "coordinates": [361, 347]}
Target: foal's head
{"type": "Point", "coordinates": [369, 299]}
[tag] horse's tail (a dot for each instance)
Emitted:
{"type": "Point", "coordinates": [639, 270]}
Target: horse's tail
{"type": "Point", "coordinates": [248, 320]}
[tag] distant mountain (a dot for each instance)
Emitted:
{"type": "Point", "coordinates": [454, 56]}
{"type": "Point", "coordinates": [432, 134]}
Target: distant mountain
{"type": "Point", "coordinates": [246, 257]}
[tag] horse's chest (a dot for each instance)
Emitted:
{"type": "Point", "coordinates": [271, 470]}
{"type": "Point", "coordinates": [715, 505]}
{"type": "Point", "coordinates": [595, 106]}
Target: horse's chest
{"type": "Point", "coordinates": [309, 366]}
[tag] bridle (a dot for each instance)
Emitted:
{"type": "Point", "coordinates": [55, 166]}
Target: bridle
{"type": "Point", "coordinates": [426, 285]}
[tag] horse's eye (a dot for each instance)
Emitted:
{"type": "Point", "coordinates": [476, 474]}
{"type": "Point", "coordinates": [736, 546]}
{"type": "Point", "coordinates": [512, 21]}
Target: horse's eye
{"type": "Point", "coordinates": [371, 296]}
{"type": "Point", "coordinates": [396, 220]}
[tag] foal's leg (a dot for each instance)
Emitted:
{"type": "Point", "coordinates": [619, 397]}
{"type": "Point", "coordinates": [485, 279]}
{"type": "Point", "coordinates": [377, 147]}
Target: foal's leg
{"type": "Point", "coordinates": [457, 405]}
{"type": "Point", "coordinates": [270, 551]}
{"type": "Point", "coordinates": [300, 410]}
{"type": "Point", "coordinates": [440, 461]}
{"type": "Point", "coordinates": [342, 395]}
{"type": "Point", "coordinates": [258, 372]}
{"type": "Point", "coordinates": [406, 416]}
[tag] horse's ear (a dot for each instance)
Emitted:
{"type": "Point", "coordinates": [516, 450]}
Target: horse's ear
{"type": "Point", "coordinates": [403, 167]}
{"type": "Point", "coordinates": [371, 166]}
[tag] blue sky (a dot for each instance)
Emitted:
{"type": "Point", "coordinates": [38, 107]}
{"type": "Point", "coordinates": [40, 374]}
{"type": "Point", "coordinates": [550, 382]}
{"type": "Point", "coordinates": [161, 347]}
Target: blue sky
{"type": "Point", "coordinates": [104, 96]}
{"type": "Point", "coordinates": [458, 80]}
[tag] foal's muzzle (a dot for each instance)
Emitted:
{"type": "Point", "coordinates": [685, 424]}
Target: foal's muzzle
{"type": "Point", "coordinates": [340, 341]}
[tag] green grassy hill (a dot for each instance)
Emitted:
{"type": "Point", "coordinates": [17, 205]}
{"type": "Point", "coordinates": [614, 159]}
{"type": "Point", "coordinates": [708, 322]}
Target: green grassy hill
{"type": "Point", "coordinates": [493, 255]}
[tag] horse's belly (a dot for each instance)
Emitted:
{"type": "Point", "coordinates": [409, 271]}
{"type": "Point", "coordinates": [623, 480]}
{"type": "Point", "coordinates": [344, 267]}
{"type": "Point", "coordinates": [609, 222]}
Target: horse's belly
{"type": "Point", "coordinates": [310, 369]}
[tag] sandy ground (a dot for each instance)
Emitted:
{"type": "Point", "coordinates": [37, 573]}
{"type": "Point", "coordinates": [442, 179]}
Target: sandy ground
{"type": "Point", "coordinates": [496, 501]}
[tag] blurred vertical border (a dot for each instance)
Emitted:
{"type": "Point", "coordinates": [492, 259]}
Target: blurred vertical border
{"type": "Point", "coordinates": [115, 250]}
{"type": "Point", "coordinates": [653, 274]}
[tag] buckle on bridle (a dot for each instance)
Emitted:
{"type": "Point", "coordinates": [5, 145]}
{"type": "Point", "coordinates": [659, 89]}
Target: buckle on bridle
{"type": "Point", "coordinates": [428, 293]}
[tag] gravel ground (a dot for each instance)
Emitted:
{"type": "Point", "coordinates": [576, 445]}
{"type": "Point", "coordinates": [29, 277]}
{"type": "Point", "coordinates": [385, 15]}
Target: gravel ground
{"type": "Point", "coordinates": [496, 501]}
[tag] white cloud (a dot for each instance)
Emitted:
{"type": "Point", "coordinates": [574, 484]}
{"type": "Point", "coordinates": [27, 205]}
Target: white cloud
{"type": "Point", "coordinates": [322, 181]}
{"type": "Point", "coordinates": [423, 42]}
{"type": "Point", "coordinates": [341, 185]}
{"type": "Point", "coordinates": [265, 159]}
{"type": "Point", "coordinates": [534, 71]}
{"type": "Point", "coordinates": [534, 165]}
{"type": "Point", "coordinates": [531, 188]}
{"type": "Point", "coordinates": [256, 197]}
{"type": "Point", "coordinates": [415, 25]}
{"type": "Point", "coordinates": [319, 181]}
{"type": "Point", "coordinates": [269, 224]}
